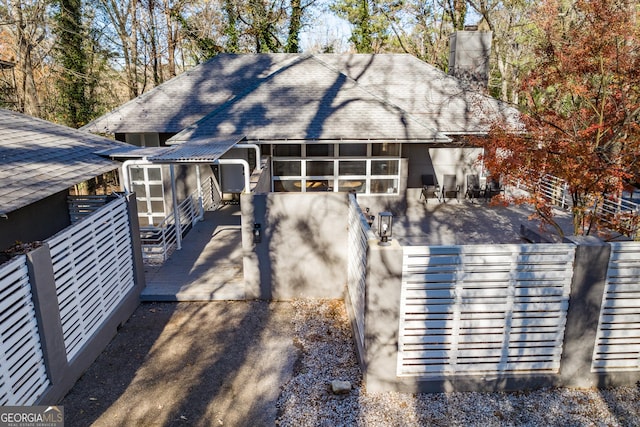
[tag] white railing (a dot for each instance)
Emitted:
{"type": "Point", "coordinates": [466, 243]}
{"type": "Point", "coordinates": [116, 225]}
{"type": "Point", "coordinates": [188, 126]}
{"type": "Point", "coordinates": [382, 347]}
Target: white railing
{"type": "Point", "coordinates": [93, 271]}
{"type": "Point", "coordinates": [483, 310]}
{"type": "Point", "coordinates": [618, 337]}
{"type": "Point", "coordinates": [614, 212]}
{"type": "Point", "coordinates": [23, 375]}
{"type": "Point", "coordinates": [359, 233]}
{"type": "Point", "coordinates": [158, 242]}
{"type": "Point", "coordinates": [621, 215]}
{"type": "Point", "coordinates": [550, 187]}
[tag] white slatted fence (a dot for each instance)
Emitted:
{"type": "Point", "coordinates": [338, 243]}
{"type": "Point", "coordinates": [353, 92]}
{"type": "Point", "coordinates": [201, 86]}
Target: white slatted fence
{"type": "Point", "coordinates": [23, 375]}
{"type": "Point", "coordinates": [483, 309]}
{"type": "Point", "coordinates": [618, 337]}
{"type": "Point", "coordinates": [93, 270]}
{"type": "Point", "coordinates": [357, 264]}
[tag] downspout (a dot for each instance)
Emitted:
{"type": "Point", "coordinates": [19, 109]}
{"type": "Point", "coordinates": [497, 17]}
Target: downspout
{"type": "Point", "coordinates": [255, 147]}
{"type": "Point", "coordinates": [247, 170]}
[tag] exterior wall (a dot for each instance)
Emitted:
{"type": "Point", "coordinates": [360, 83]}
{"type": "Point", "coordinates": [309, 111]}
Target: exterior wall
{"type": "Point", "coordinates": [379, 357]}
{"type": "Point", "coordinates": [37, 221]}
{"type": "Point", "coordinates": [302, 248]}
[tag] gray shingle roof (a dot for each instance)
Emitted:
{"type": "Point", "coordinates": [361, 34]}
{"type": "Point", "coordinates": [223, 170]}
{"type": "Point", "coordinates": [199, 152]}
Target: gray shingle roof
{"type": "Point", "coordinates": [39, 159]}
{"type": "Point", "coordinates": [306, 100]}
{"type": "Point", "coordinates": [438, 100]}
{"type": "Point", "coordinates": [369, 94]}
{"type": "Point", "coordinates": [185, 99]}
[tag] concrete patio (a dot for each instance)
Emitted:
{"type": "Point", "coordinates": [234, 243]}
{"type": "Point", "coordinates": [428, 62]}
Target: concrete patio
{"type": "Point", "coordinates": [463, 222]}
{"type": "Point", "coordinates": [207, 268]}
{"type": "Point", "coordinates": [209, 265]}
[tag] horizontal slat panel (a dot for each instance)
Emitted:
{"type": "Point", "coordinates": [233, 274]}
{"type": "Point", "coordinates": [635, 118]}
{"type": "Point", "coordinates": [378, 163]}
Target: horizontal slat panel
{"type": "Point", "coordinates": [23, 376]}
{"type": "Point", "coordinates": [486, 306]}
{"type": "Point", "coordinates": [87, 258]}
{"type": "Point", "coordinates": [618, 337]}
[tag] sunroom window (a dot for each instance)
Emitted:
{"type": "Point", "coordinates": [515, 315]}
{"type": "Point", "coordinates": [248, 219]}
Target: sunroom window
{"type": "Point", "coordinates": [360, 167]}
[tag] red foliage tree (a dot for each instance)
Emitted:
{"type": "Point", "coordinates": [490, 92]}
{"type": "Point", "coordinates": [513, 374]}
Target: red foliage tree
{"type": "Point", "coordinates": [581, 108]}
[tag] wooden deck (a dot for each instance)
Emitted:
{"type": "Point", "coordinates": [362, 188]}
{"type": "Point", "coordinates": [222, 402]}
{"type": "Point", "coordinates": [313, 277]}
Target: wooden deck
{"type": "Point", "coordinates": [207, 268]}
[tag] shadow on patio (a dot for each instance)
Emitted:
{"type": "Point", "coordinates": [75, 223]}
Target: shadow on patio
{"type": "Point", "coordinates": [207, 268]}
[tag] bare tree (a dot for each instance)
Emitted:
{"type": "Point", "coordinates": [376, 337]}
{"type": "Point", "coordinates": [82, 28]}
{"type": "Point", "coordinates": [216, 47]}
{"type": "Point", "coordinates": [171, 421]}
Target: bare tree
{"type": "Point", "coordinates": [27, 30]}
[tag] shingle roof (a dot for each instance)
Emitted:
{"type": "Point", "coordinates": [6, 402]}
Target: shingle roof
{"type": "Point", "coordinates": [306, 100]}
{"type": "Point", "coordinates": [438, 100]}
{"type": "Point", "coordinates": [185, 99]}
{"type": "Point", "coordinates": [39, 159]}
{"type": "Point", "coordinates": [252, 90]}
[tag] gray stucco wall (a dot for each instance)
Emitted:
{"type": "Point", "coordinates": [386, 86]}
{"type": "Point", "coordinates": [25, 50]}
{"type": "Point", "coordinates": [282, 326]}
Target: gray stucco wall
{"type": "Point", "coordinates": [37, 221]}
{"type": "Point", "coordinates": [303, 247]}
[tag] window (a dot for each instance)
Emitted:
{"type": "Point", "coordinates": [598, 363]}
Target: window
{"type": "Point", "coordinates": [319, 150]}
{"type": "Point", "coordinates": [386, 149]}
{"type": "Point", "coordinates": [287, 150]}
{"type": "Point", "coordinates": [319, 168]}
{"type": "Point", "coordinates": [315, 167]}
{"type": "Point", "coordinates": [384, 167]}
{"type": "Point", "coordinates": [287, 167]}
{"type": "Point", "coordinates": [352, 167]}
{"type": "Point", "coordinates": [146, 182]}
{"type": "Point", "coordinates": [353, 150]}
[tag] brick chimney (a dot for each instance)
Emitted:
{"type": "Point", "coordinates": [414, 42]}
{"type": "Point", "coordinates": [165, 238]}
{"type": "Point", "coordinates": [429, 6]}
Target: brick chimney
{"type": "Point", "coordinates": [469, 52]}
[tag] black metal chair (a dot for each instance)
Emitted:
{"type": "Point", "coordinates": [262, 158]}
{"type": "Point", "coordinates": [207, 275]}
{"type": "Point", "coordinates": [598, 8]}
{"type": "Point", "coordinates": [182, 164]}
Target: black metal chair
{"type": "Point", "coordinates": [474, 190]}
{"type": "Point", "coordinates": [493, 187]}
{"type": "Point", "coordinates": [430, 188]}
{"type": "Point", "coordinates": [450, 187]}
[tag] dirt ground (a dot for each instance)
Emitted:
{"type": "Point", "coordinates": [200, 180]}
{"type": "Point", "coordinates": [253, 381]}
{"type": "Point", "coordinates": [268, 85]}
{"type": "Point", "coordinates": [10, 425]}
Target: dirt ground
{"type": "Point", "coordinates": [175, 364]}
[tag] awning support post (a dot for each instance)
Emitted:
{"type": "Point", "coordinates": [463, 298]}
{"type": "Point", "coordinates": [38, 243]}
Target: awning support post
{"type": "Point", "coordinates": [176, 212]}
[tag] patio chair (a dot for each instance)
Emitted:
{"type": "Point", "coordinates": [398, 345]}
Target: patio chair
{"type": "Point", "coordinates": [474, 191]}
{"type": "Point", "coordinates": [429, 188]}
{"type": "Point", "coordinates": [450, 187]}
{"type": "Point", "coordinates": [493, 187]}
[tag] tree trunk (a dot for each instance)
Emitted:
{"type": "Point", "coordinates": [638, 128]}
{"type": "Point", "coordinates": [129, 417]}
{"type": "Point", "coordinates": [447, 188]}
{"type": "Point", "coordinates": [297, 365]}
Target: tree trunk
{"type": "Point", "coordinates": [294, 26]}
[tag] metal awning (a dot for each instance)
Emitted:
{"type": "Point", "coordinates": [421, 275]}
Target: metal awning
{"type": "Point", "coordinates": [197, 151]}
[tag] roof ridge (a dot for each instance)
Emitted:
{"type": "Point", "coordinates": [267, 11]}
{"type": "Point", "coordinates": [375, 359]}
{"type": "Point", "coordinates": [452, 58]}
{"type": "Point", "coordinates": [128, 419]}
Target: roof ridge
{"type": "Point", "coordinates": [379, 96]}
{"type": "Point", "coordinates": [296, 59]}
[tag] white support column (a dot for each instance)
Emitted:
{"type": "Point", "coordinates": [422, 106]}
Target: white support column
{"type": "Point", "coordinates": [200, 203]}
{"type": "Point", "coordinates": [176, 213]}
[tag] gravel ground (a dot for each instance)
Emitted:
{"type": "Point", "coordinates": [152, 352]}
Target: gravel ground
{"type": "Point", "coordinates": [323, 337]}
{"type": "Point", "coordinates": [259, 363]}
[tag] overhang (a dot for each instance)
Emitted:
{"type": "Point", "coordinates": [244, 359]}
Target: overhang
{"type": "Point", "coordinates": [202, 150]}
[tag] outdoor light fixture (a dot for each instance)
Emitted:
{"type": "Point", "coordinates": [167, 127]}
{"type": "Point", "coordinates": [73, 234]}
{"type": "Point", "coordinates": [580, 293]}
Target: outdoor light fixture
{"type": "Point", "coordinates": [257, 233]}
{"type": "Point", "coordinates": [385, 224]}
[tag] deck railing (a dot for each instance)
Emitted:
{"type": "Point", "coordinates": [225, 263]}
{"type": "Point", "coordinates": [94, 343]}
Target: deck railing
{"type": "Point", "coordinates": [159, 241]}
{"type": "Point", "coordinates": [614, 212]}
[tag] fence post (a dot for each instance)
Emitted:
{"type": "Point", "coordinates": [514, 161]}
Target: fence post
{"type": "Point", "coordinates": [382, 315]}
{"type": "Point", "coordinates": [136, 242]}
{"type": "Point", "coordinates": [45, 300]}
{"type": "Point", "coordinates": [585, 301]}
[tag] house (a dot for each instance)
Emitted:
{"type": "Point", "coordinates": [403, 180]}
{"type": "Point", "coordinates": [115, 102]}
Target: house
{"type": "Point", "coordinates": [39, 163]}
{"type": "Point", "coordinates": [369, 123]}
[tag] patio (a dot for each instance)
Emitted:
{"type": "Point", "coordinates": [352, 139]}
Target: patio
{"type": "Point", "coordinates": [463, 222]}
{"type": "Point", "coordinates": [207, 268]}
{"type": "Point", "coordinates": [209, 265]}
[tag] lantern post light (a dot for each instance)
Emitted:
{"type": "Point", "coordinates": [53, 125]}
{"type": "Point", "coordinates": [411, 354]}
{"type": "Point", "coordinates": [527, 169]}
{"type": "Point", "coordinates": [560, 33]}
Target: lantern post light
{"type": "Point", "coordinates": [385, 226]}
